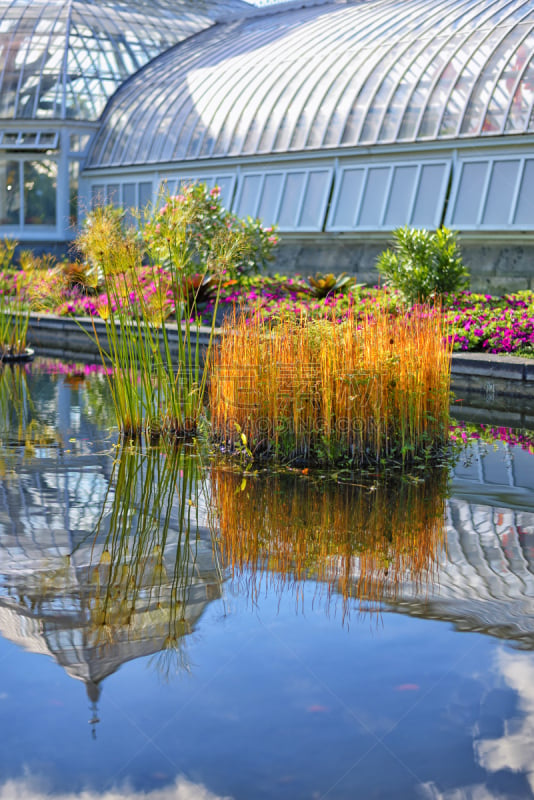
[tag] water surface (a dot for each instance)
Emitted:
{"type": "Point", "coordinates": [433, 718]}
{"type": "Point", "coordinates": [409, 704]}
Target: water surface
{"type": "Point", "coordinates": [172, 629]}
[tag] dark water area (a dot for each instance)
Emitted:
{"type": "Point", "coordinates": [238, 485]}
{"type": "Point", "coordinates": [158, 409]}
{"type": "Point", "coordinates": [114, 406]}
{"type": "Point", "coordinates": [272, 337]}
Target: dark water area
{"type": "Point", "coordinates": [172, 629]}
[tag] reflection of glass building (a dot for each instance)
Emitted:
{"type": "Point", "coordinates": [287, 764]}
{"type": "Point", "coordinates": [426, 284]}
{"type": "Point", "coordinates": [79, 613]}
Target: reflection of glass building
{"type": "Point", "coordinates": [333, 119]}
{"type": "Point", "coordinates": [56, 584]}
{"type": "Point", "coordinates": [485, 574]}
{"type": "Point", "coordinates": [61, 494]}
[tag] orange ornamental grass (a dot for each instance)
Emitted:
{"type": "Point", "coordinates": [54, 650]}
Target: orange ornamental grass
{"type": "Point", "coordinates": [324, 391]}
{"type": "Point", "coordinates": [360, 542]}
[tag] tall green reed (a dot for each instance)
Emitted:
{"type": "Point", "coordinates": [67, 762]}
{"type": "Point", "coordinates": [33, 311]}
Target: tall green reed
{"type": "Point", "coordinates": [14, 323]}
{"type": "Point", "coordinates": [158, 382]}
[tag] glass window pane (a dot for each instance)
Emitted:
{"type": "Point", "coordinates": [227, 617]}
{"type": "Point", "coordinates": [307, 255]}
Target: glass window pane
{"type": "Point", "coordinates": [113, 194]}
{"type": "Point", "coordinates": [292, 195]}
{"type": "Point", "coordinates": [97, 195]}
{"type": "Point", "coordinates": [374, 196]}
{"type": "Point", "coordinates": [226, 185]}
{"type": "Point", "coordinates": [312, 214]}
{"type": "Point", "coordinates": [270, 198]}
{"type": "Point", "coordinates": [524, 214]}
{"type": "Point", "coordinates": [145, 194]}
{"type": "Point", "coordinates": [128, 202]}
{"type": "Point", "coordinates": [128, 195]}
{"type": "Point", "coordinates": [348, 198]}
{"type": "Point", "coordinates": [400, 196]}
{"type": "Point", "coordinates": [426, 213]}
{"type": "Point", "coordinates": [469, 193]}
{"type": "Point", "coordinates": [248, 200]}
{"type": "Point", "coordinates": [40, 183]}
{"type": "Point", "coordinates": [48, 139]}
{"type": "Point", "coordinates": [9, 193]}
{"type": "Point", "coordinates": [74, 172]}
{"type": "Point", "coordinates": [501, 193]}
{"type": "Point", "coordinates": [78, 142]}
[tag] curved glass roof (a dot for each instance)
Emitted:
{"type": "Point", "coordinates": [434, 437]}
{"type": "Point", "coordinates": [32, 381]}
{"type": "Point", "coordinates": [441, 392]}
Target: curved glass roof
{"type": "Point", "coordinates": [328, 76]}
{"type": "Point", "coordinates": [63, 59]}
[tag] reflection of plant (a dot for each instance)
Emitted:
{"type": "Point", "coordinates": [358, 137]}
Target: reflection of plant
{"type": "Point", "coordinates": [363, 541]}
{"type": "Point", "coordinates": [464, 432]}
{"type": "Point", "coordinates": [19, 423]}
{"type": "Point", "coordinates": [147, 565]}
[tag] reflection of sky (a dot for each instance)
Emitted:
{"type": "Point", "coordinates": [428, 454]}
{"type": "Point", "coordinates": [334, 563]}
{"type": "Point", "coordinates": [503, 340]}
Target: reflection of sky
{"type": "Point", "coordinates": [278, 704]}
{"type": "Point", "coordinates": [514, 750]}
{"type": "Point", "coordinates": [181, 789]}
{"type": "Point", "coordinates": [509, 747]}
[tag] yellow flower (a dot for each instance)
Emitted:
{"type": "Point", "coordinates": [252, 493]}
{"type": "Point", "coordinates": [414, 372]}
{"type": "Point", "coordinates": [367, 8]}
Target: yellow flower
{"type": "Point", "coordinates": [103, 311]}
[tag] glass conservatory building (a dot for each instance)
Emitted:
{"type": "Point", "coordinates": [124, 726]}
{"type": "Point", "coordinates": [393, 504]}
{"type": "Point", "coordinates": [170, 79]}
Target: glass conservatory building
{"type": "Point", "coordinates": [338, 120]}
{"type": "Point", "coordinates": [60, 62]}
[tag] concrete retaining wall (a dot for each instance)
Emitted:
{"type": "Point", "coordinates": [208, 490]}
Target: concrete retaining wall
{"type": "Point", "coordinates": [75, 339]}
{"type": "Point", "coordinates": [495, 267]}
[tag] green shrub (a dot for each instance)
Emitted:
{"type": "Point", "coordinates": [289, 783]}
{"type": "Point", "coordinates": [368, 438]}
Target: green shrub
{"type": "Point", "coordinates": [193, 232]}
{"type": "Point", "coordinates": [423, 265]}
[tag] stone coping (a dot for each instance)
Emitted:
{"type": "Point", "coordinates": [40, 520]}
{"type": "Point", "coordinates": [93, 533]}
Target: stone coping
{"type": "Point", "coordinates": [489, 365]}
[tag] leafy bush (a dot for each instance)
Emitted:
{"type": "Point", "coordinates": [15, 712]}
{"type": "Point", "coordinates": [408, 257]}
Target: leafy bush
{"type": "Point", "coordinates": [423, 265]}
{"type": "Point", "coordinates": [194, 233]}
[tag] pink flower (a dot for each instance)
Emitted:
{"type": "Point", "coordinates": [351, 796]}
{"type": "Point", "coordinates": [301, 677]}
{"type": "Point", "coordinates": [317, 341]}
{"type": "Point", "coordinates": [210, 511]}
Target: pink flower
{"type": "Point", "coordinates": [215, 192]}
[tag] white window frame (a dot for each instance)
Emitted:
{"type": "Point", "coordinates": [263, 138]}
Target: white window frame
{"type": "Point", "coordinates": [366, 166]}
{"type": "Point", "coordinates": [489, 160]}
{"type": "Point", "coordinates": [307, 170]}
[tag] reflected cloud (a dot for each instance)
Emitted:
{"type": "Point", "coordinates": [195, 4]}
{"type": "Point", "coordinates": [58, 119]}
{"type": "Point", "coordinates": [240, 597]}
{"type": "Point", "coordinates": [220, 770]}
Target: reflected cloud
{"type": "Point", "coordinates": [429, 791]}
{"type": "Point", "coordinates": [181, 789]}
{"type": "Point", "coordinates": [513, 750]}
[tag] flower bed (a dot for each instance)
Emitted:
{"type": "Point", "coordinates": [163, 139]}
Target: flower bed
{"type": "Point", "coordinates": [478, 323]}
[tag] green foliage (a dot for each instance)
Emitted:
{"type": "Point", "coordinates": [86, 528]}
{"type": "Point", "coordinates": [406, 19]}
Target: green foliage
{"type": "Point", "coordinates": [194, 233]}
{"type": "Point", "coordinates": [323, 285]}
{"type": "Point", "coordinates": [107, 245]}
{"type": "Point", "coordinates": [7, 252]}
{"type": "Point", "coordinates": [423, 265]}
{"type": "Point", "coordinates": [14, 322]}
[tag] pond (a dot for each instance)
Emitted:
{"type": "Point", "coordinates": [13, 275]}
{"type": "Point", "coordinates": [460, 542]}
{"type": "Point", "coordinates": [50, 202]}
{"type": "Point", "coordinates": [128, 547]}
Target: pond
{"type": "Point", "coordinates": [171, 629]}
